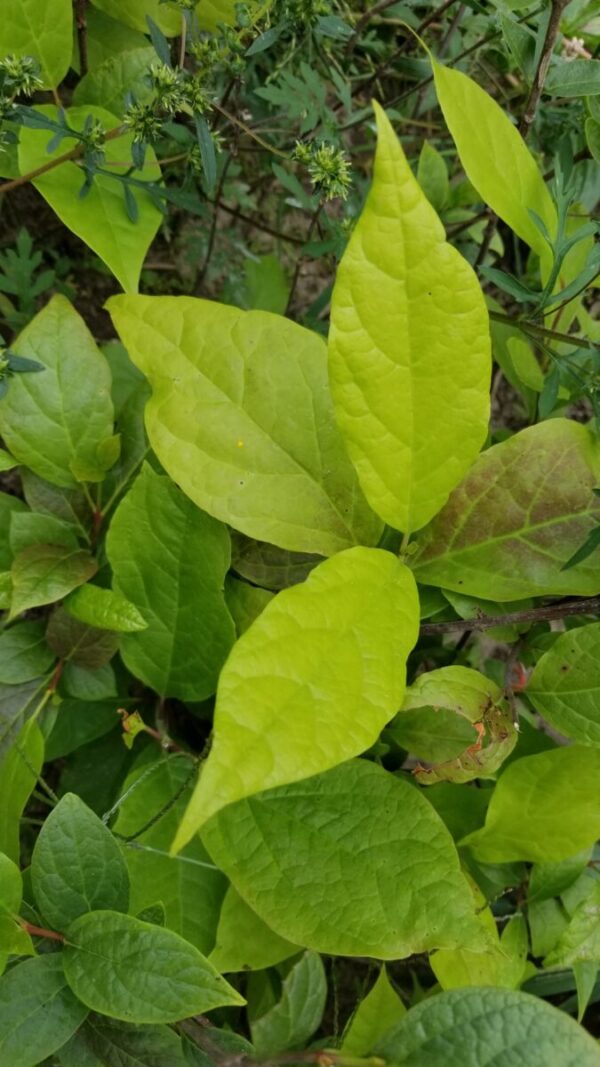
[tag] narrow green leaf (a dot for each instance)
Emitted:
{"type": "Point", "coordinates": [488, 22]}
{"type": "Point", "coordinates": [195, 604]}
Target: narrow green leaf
{"type": "Point", "coordinates": [335, 863]}
{"type": "Point", "coordinates": [580, 941]}
{"type": "Point", "coordinates": [24, 654]}
{"type": "Point", "coordinates": [402, 291]}
{"type": "Point", "coordinates": [38, 1012]}
{"type": "Point", "coordinates": [17, 703]}
{"type": "Point", "coordinates": [45, 32]}
{"type": "Point", "coordinates": [242, 420]}
{"type": "Point", "coordinates": [375, 1015]}
{"type": "Point", "coordinates": [524, 507]}
{"type": "Point", "coordinates": [19, 769]}
{"type": "Point", "coordinates": [458, 1028]}
{"type": "Point", "coordinates": [292, 1021]}
{"type": "Point", "coordinates": [76, 865]}
{"type": "Point", "coordinates": [9, 505]}
{"type": "Point", "coordinates": [99, 219]}
{"type": "Point", "coordinates": [56, 419]}
{"type": "Point", "coordinates": [11, 885]}
{"type": "Point", "coordinates": [495, 156]}
{"type": "Point", "coordinates": [545, 808]}
{"type": "Point", "coordinates": [131, 970]}
{"type": "Point", "coordinates": [565, 685]}
{"type": "Point", "coordinates": [45, 573]}
{"type": "Point", "coordinates": [105, 609]}
{"type": "Point", "coordinates": [329, 654]}
{"type": "Point", "coordinates": [207, 154]}
{"type": "Point", "coordinates": [169, 559]}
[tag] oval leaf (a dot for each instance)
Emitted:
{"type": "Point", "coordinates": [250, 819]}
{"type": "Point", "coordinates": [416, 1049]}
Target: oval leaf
{"type": "Point", "coordinates": [524, 508]}
{"type": "Point", "coordinates": [545, 808]}
{"type": "Point", "coordinates": [76, 865]}
{"type": "Point", "coordinates": [54, 421]}
{"type": "Point", "coordinates": [565, 685]}
{"type": "Point", "coordinates": [45, 573]}
{"type": "Point", "coordinates": [137, 972]}
{"type": "Point", "coordinates": [468, 1027]}
{"type": "Point", "coordinates": [354, 862]}
{"type": "Point", "coordinates": [170, 559]}
{"type": "Point", "coordinates": [105, 609]}
{"type": "Point", "coordinates": [409, 348]}
{"type": "Point", "coordinates": [242, 420]}
{"type": "Point", "coordinates": [312, 682]}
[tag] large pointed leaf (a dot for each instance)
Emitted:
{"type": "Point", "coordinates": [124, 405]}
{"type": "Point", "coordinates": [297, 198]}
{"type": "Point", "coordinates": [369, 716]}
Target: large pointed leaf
{"type": "Point", "coordinates": [495, 157]}
{"type": "Point", "coordinates": [242, 420]}
{"type": "Point", "coordinates": [41, 30]}
{"type": "Point", "coordinates": [292, 1021]}
{"type": "Point", "coordinates": [470, 1027]}
{"type": "Point", "coordinates": [521, 512]}
{"type": "Point", "coordinates": [170, 559]}
{"type": "Point", "coordinates": [545, 808]}
{"type": "Point", "coordinates": [42, 574]}
{"type": "Point", "coordinates": [19, 770]}
{"type": "Point", "coordinates": [55, 421]}
{"type": "Point", "coordinates": [312, 682]}
{"type": "Point", "coordinates": [99, 218]}
{"type": "Point", "coordinates": [353, 862]}
{"type": "Point", "coordinates": [565, 685]}
{"type": "Point", "coordinates": [409, 349]}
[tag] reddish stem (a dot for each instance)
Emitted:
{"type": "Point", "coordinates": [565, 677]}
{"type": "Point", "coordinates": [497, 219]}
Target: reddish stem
{"type": "Point", "coordinates": [40, 931]}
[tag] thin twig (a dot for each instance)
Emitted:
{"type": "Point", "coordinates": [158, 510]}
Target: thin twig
{"type": "Point", "coordinates": [40, 931]}
{"type": "Point", "coordinates": [546, 613]}
{"type": "Point", "coordinates": [313, 222]}
{"type": "Point", "coordinates": [213, 226]}
{"type": "Point", "coordinates": [81, 23]}
{"type": "Point", "coordinates": [255, 137]}
{"type": "Point", "coordinates": [542, 68]}
{"type": "Point", "coordinates": [542, 331]}
{"type": "Point", "coordinates": [73, 154]}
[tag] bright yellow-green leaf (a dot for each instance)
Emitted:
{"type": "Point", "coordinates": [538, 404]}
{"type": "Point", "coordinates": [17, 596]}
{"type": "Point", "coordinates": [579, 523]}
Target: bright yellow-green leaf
{"type": "Point", "coordinates": [312, 682]}
{"type": "Point", "coordinates": [545, 808]}
{"type": "Point", "coordinates": [494, 155]}
{"type": "Point", "coordinates": [522, 511]}
{"type": "Point", "coordinates": [580, 941]}
{"type": "Point", "coordinates": [55, 419]}
{"type": "Point", "coordinates": [241, 418]}
{"type": "Point", "coordinates": [134, 12]}
{"type": "Point", "coordinates": [105, 609]}
{"type": "Point", "coordinates": [123, 73]}
{"type": "Point", "coordinates": [375, 1015]}
{"type": "Point", "coordinates": [40, 29]}
{"type": "Point", "coordinates": [409, 349]}
{"type": "Point", "coordinates": [100, 218]}
{"type": "Point", "coordinates": [504, 964]}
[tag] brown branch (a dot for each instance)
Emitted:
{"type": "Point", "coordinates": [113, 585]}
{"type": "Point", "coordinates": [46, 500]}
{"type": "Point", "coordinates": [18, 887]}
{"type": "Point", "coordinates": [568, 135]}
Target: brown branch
{"type": "Point", "coordinates": [73, 154]}
{"type": "Point", "coordinates": [542, 331]}
{"type": "Point", "coordinates": [81, 23]}
{"type": "Point", "coordinates": [40, 931]}
{"type": "Point", "coordinates": [539, 77]}
{"type": "Point", "coordinates": [546, 613]}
